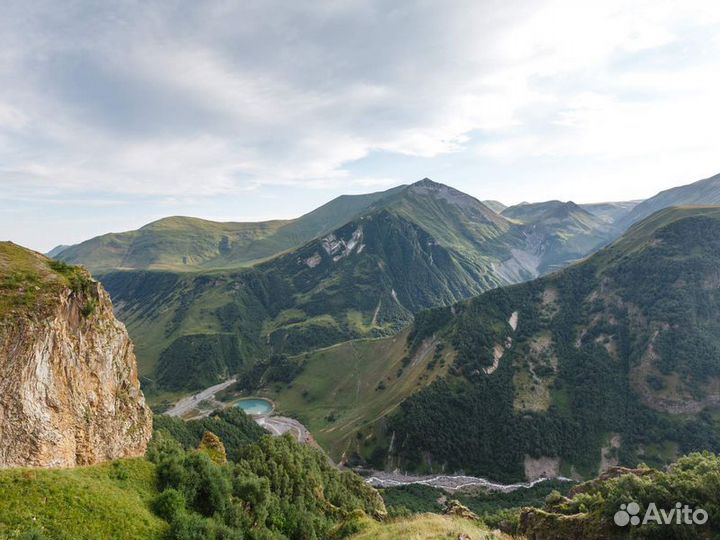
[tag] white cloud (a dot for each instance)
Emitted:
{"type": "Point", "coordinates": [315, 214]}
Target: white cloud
{"type": "Point", "coordinates": [159, 98]}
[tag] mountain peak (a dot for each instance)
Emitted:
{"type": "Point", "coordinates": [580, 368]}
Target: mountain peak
{"type": "Point", "coordinates": [427, 183]}
{"type": "Point", "coordinates": [427, 186]}
{"type": "Point", "coordinates": [436, 190]}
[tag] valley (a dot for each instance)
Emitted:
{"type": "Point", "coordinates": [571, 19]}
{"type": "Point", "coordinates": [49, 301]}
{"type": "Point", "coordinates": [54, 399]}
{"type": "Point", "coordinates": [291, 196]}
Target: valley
{"type": "Point", "coordinates": [355, 397]}
{"type": "Point", "coordinates": [350, 282]}
{"type": "Point", "coordinates": [469, 382]}
{"type": "Point", "coordinates": [359, 270]}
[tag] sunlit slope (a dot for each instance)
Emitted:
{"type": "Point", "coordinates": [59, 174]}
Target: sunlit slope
{"type": "Point", "coordinates": [427, 527]}
{"type": "Point", "coordinates": [413, 248]}
{"type": "Point", "coordinates": [345, 392]}
{"type": "Point", "coordinates": [112, 500]}
{"type": "Point", "coordinates": [565, 231]}
{"type": "Point", "coordinates": [187, 244]}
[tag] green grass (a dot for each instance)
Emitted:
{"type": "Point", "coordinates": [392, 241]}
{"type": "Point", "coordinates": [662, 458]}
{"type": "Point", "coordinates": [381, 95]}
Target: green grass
{"type": "Point", "coordinates": [31, 280]}
{"type": "Point", "coordinates": [638, 236]}
{"type": "Point", "coordinates": [183, 244]}
{"type": "Point", "coordinates": [358, 322]}
{"type": "Point", "coordinates": [337, 395]}
{"type": "Point", "coordinates": [426, 527]}
{"type": "Point", "coordinates": [102, 501]}
{"type": "Point", "coordinates": [287, 316]}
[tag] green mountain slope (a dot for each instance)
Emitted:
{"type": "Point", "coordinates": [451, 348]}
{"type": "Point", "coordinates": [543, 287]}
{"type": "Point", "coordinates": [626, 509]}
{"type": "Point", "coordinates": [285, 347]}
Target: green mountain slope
{"type": "Point", "coordinates": [425, 246]}
{"type": "Point", "coordinates": [495, 206]}
{"type": "Point", "coordinates": [614, 359]}
{"type": "Point", "coordinates": [54, 252]}
{"type": "Point", "coordinates": [185, 243]}
{"type": "Point", "coordinates": [610, 212]}
{"type": "Point", "coordinates": [589, 509]}
{"type": "Point", "coordinates": [562, 231]}
{"type": "Point", "coordinates": [113, 500]}
{"type": "Point", "coordinates": [412, 248]}
{"type": "Point", "coordinates": [703, 192]}
{"type": "Point", "coordinates": [232, 482]}
{"type": "Point", "coordinates": [349, 388]}
{"type": "Point", "coordinates": [426, 526]}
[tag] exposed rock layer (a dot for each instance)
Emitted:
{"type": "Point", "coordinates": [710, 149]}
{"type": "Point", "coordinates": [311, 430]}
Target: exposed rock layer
{"type": "Point", "coordinates": [69, 389]}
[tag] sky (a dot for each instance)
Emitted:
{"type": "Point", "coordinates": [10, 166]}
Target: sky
{"type": "Point", "coordinates": [114, 114]}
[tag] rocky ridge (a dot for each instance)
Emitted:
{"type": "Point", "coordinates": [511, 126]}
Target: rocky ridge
{"type": "Point", "coordinates": [69, 388]}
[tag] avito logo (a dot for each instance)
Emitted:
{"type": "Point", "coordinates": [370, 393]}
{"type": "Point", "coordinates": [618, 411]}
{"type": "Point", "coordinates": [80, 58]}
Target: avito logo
{"type": "Point", "coordinates": [679, 515]}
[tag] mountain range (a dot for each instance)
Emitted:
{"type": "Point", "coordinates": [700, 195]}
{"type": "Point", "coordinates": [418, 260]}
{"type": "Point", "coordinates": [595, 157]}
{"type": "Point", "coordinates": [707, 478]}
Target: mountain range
{"type": "Point", "coordinates": [420, 329]}
{"type": "Point", "coordinates": [400, 251]}
{"type": "Point", "coordinates": [612, 360]}
{"type": "Point", "coordinates": [206, 299]}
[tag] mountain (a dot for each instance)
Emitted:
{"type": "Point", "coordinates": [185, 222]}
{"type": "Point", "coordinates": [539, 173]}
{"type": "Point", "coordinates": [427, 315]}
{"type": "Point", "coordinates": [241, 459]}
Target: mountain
{"type": "Point", "coordinates": [613, 360]}
{"type": "Point", "coordinates": [610, 212]}
{"type": "Point", "coordinates": [409, 249]}
{"type": "Point", "coordinates": [563, 230]}
{"type": "Point", "coordinates": [422, 246]}
{"type": "Point", "coordinates": [703, 192]}
{"type": "Point", "coordinates": [589, 508]}
{"type": "Point", "coordinates": [495, 206]}
{"type": "Point", "coordinates": [54, 252]}
{"type": "Point", "coordinates": [69, 390]}
{"type": "Point", "coordinates": [187, 244]}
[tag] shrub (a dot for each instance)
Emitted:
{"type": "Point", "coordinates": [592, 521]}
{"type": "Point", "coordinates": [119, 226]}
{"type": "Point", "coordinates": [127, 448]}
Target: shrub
{"type": "Point", "coordinates": [169, 504]}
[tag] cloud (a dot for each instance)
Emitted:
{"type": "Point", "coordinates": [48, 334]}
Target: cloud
{"type": "Point", "coordinates": [189, 98]}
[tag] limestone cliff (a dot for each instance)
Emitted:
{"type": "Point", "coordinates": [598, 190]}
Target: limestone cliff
{"type": "Point", "coordinates": [69, 389]}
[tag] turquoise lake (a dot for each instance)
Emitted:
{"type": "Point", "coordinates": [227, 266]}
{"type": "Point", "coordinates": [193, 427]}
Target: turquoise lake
{"type": "Point", "coordinates": [255, 407]}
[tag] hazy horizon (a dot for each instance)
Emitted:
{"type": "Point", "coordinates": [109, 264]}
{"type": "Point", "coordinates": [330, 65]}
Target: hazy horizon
{"type": "Point", "coordinates": [297, 215]}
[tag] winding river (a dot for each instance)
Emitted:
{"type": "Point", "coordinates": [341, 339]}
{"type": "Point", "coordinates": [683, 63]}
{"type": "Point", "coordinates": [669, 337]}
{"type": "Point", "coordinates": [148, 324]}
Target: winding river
{"type": "Point", "coordinates": [382, 479]}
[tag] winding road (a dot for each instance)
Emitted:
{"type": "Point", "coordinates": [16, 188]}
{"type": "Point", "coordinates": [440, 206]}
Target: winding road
{"type": "Point", "coordinates": [278, 425]}
{"type": "Point", "coordinates": [185, 405]}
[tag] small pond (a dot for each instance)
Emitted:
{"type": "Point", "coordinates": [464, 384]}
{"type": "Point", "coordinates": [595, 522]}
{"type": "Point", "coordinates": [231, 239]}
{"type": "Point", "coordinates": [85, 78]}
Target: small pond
{"type": "Point", "coordinates": [255, 407]}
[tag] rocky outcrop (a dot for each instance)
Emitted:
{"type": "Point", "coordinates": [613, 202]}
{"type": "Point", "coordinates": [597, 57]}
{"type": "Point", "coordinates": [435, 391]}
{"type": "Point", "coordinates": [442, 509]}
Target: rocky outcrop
{"type": "Point", "coordinates": [69, 389]}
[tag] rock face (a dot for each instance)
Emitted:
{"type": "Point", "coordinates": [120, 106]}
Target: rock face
{"type": "Point", "coordinates": [69, 389]}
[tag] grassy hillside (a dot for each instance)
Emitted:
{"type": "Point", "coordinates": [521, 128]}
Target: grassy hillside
{"type": "Point", "coordinates": [610, 212]}
{"type": "Point", "coordinates": [261, 487]}
{"type": "Point", "coordinates": [702, 192]}
{"type": "Point", "coordinates": [187, 244]}
{"type": "Point", "coordinates": [495, 206]}
{"type": "Point", "coordinates": [613, 360]}
{"type": "Point", "coordinates": [426, 527]}
{"type": "Point", "coordinates": [31, 280]}
{"type": "Point", "coordinates": [103, 501]}
{"type": "Point", "coordinates": [345, 392]}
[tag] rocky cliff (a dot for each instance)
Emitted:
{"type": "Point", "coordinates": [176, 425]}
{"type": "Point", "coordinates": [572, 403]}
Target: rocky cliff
{"type": "Point", "coordinates": [69, 389]}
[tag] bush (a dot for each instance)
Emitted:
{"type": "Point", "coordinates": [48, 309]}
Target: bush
{"type": "Point", "coordinates": [169, 504]}
{"type": "Point", "coordinates": [278, 488]}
